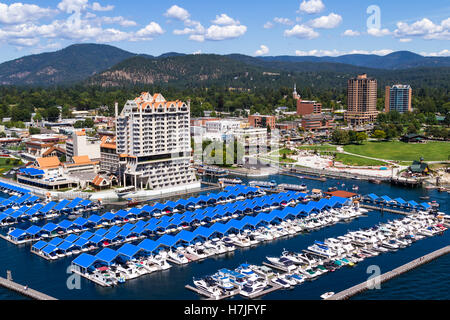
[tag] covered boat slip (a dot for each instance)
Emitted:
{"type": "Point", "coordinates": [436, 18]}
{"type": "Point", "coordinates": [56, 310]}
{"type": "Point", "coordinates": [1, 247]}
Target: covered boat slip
{"type": "Point", "coordinates": [159, 228]}
{"type": "Point", "coordinates": [122, 216]}
{"type": "Point", "coordinates": [86, 264]}
{"type": "Point", "coordinates": [9, 188]}
{"type": "Point", "coordinates": [41, 211]}
{"type": "Point", "coordinates": [399, 203]}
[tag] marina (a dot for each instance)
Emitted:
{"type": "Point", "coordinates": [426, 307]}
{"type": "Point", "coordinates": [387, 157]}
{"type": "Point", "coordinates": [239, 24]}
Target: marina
{"type": "Point", "coordinates": [24, 290]}
{"type": "Point", "coordinates": [177, 272]}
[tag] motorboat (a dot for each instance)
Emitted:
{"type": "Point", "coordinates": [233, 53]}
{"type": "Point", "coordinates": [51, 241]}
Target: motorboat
{"type": "Point", "coordinates": [282, 262]}
{"type": "Point", "coordinates": [327, 295]}
{"type": "Point", "coordinates": [178, 257]}
{"type": "Point", "coordinates": [253, 287]}
{"type": "Point", "coordinates": [321, 249]}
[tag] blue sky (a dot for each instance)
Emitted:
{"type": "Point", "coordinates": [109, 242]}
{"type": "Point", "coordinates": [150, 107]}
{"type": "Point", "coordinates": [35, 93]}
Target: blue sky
{"type": "Point", "coordinates": [264, 27]}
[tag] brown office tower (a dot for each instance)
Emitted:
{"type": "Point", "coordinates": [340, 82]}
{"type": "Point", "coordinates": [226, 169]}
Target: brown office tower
{"type": "Point", "coordinates": [361, 100]}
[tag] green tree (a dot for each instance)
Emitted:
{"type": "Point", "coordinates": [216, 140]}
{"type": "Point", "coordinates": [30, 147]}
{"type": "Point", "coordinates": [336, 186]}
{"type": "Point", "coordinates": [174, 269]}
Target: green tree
{"type": "Point", "coordinates": [379, 135]}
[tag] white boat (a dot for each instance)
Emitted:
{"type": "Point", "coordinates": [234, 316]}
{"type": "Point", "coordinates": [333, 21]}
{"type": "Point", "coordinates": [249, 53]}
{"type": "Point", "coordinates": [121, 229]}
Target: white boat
{"type": "Point", "coordinates": [321, 249]}
{"type": "Point", "coordinates": [282, 262]}
{"type": "Point", "coordinates": [327, 295]}
{"type": "Point", "coordinates": [178, 257]}
{"type": "Point", "coordinates": [253, 287]}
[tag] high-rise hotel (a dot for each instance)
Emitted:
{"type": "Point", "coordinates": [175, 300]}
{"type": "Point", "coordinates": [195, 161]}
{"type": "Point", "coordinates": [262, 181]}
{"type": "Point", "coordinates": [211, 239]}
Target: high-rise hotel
{"type": "Point", "coordinates": [361, 100]}
{"type": "Point", "coordinates": [153, 143]}
{"type": "Point", "coordinates": [398, 98]}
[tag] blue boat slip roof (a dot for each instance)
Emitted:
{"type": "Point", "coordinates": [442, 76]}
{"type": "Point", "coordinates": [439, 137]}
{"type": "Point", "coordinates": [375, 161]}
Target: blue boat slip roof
{"type": "Point", "coordinates": [114, 229]}
{"type": "Point", "coordinates": [61, 205]}
{"type": "Point", "coordinates": [23, 198]}
{"type": "Point", "coordinates": [413, 203]}
{"type": "Point", "coordinates": [56, 241]}
{"type": "Point", "coordinates": [109, 216]}
{"type": "Point", "coordinates": [48, 207]}
{"type": "Point", "coordinates": [86, 235]}
{"type": "Point", "coordinates": [148, 245]}
{"type": "Point", "coordinates": [124, 233]}
{"type": "Point", "coordinates": [97, 239]}
{"type": "Point", "coordinates": [167, 240]}
{"type": "Point", "coordinates": [66, 245]}
{"type": "Point", "coordinates": [9, 211]}
{"type": "Point", "coordinates": [425, 205]}
{"type": "Point", "coordinates": [65, 224]}
{"type": "Point", "coordinates": [75, 202]}
{"type": "Point", "coordinates": [95, 218]}
{"type": "Point", "coordinates": [3, 217]}
{"type": "Point", "coordinates": [32, 172]}
{"type": "Point", "coordinates": [16, 214]}
{"type": "Point", "coordinates": [400, 201]}
{"type": "Point", "coordinates": [110, 235]}
{"type": "Point", "coordinates": [33, 199]}
{"type": "Point", "coordinates": [33, 230]}
{"type": "Point", "coordinates": [85, 203]}
{"type": "Point", "coordinates": [50, 227]}
{"type": "Point", "coordinates": [84, 261]}
{"type": "Point", "coordinates": [49, 249]}
{"type": "Point", "coordinates": [387, 199]}
{"type": "Point", "coordinates": [71, 238]}
{"type": "Point", "coordinates": [39, 245]}
{"type": "Point", "coordinates": [16, 233]}
{"type": "Point", "coordinates": [101, 232]}
{"type": "Point", "coordinates": [80, 221]}
{"type": "Point", "coordinates": [129, 250]}
{"type": "Point", "coordinates": [80, 242]}
{"type": "Point", "coordinates": [35, 208]}
{"type": "Point", "coordinates": [372, 196]}
{"type": "Point", "coordinates": [107, 255]}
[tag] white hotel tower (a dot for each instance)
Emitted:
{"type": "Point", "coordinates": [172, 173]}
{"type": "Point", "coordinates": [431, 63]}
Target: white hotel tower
{"type": "Point", "coordinates": [153, 141]}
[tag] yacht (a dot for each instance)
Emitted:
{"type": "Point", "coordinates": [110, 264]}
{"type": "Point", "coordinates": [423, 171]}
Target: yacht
{"type": "Point", "coordinates": [281, 282]}
{"type": "Point", "coordinates": [321, 249]}
{"type": "Point", "coordinates": [282, 262]}
{"type": "Point", "coordinates": [253, 287]}
{"type": "Point", "coordinates": [327, 295]}
{"type": "Point", "coordinates": [178, 257]}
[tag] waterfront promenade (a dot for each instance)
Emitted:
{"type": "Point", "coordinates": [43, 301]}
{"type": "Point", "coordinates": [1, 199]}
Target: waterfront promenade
{"type": "Point", "coordinates": [350, 292]}
{"type": "Point", "coordinates": [25, 291]}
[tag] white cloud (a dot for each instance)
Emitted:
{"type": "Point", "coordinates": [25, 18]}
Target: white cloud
{"type": "Point", "coordinates": [119, 20]}
{"type": "Point", "coordinates": [225, 20]}
{"type": "Point", "coordinates": [197, 37]}
{"type": "Point", "coordinates": [70, 6]}
{"type": "Point", "coordinates": [337, 53]}
{"type": "Point", "coordinates": [17, 13]}
{"type": "Point", "coordinates": [424, 28]}
{"type": "Point", "coordinates": [284, 21]}
{"type": "Point", "coordinates": [262, 51]}
{"type": "Point", "coordinates": [443, 53]}
{"type": "Point", "coordinates": [405, 40]}
{"type": "Point", "coordinates": [217, 33]}
{"type": "Point", "coordinates": [327, 22]}
{"type": "Point", "coordinates": [177, 12]}
{"type": "Point", "coordinates": [98, 7]}
{"type": "Point", "coordinates": [301, 31]}
{"type": "Point", "coordinates": [311, 6]}
{"type": "Point", "coordinates": [151, 30]}
{"type": "Point", "coordinates": [351, 33]}
{"type": "Point", "coordinates": [268, 25]}
{"type": "Point", "coordinates": [378, 32]}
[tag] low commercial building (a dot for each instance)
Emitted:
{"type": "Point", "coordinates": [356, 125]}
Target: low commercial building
{"type": "Point", "coordinates": [306, 107]}
{"type": "Point", "coordinates": [260, 121]}
{"type": "Point", "coordinates": [317, 122]}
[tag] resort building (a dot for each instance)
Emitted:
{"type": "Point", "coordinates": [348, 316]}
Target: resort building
{"type": "Point", "coordinates": [153, 143]}
{"type": "Point", "coordinates": [398, 98]}
{"type": "Point", "coordinates": [361, 100]}
{"type": "Point", "coordinates": [44, 145]}
{"type": "Point", "coordinates": [109, 161]}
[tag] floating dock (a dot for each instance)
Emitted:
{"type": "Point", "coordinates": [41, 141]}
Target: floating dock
{"type": "Point", "coordinates": [346, 294]}
{"type": "Point", "coordinates": [28, 292]}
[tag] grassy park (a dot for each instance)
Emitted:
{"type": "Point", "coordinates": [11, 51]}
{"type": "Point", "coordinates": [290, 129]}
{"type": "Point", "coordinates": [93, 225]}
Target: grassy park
{"type": "Point", "coordinates": [7, 164]}
{"type": "Point", "coordinates": [400, 151]}
{"type": "Point", "coordinates": [350, 160]}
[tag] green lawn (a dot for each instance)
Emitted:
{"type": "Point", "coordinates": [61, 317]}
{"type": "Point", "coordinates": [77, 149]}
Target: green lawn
{"type": "Point", "coordinates": [357, 161]}
{"type": "Point", "coordinates": [320, 148]}
{"type": "Point", "coordinates": [395, 150]}
{"type": "Point", "coordinates": [13, 163]}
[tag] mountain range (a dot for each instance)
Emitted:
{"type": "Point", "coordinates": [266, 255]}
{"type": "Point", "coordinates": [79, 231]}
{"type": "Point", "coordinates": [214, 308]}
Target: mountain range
{"type": "Point", "coordinates": [107, 66]}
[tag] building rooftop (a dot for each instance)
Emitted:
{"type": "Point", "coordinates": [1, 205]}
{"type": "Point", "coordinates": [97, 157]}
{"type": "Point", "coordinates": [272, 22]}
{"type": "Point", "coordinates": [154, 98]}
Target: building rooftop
{"type": "Point", "coordinates": [48, 163]}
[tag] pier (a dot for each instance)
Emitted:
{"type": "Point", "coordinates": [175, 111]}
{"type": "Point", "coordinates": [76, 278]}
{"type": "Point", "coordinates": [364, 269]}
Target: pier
{"type": "Point", "coordinates": [28, 292]}
{"type": "Point", "coordinates": [346, 294]}
{"type": "Point", "coordinates": [384, 209]}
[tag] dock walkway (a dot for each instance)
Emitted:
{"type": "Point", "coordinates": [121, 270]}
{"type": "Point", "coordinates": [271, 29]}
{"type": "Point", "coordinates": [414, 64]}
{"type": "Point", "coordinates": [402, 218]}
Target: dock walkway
{"type": "Point", "coordinates": [30, 293]}
{"type": "Point", "coordinates": [348, 293]}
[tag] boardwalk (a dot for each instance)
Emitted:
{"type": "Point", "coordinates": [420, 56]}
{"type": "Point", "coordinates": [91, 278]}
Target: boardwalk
{"type": "Point", "coordinates": [346, 294]}
{"type": "Point", "coordinates": [30, 293]}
